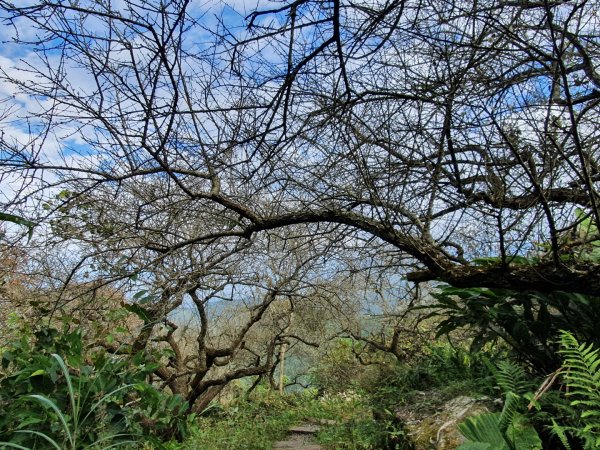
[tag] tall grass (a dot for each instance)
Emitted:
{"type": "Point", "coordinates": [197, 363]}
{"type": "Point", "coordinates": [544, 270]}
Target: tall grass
{"type": "Point", "coordinates": [71, 425]}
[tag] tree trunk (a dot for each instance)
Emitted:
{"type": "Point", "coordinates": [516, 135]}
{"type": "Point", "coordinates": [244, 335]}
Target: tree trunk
{"type": "Point", "coordinates": [282, 351]}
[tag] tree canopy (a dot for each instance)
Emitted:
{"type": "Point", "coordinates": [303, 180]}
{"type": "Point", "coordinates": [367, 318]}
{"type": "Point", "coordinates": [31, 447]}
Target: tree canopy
{"type": "Point", "coordinates": [433, 134]}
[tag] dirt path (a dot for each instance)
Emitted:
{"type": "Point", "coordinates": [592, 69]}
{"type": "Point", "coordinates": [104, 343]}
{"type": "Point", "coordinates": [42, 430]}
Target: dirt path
{"type": "Point", "coordinates": [301, 437]}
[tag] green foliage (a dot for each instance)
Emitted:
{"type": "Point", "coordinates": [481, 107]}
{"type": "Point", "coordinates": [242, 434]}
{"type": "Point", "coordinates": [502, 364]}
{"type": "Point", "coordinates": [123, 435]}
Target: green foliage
{"type": "Point", "coordinates": [449, 370]}
{"type": "Point", "coordinates": [339, 370]}
{"type": "Point", "coordinates": [244, 425]}
{"type": "Point", "coordinates": [364, 434]}
{"type": "Point", "coordinates": [70, 429]}
{"type": "Point", "coordinates": [510, 377]}
{"type": "Point", "coordinates": [483, 429]}
{"type": "Point", "coordinates": [581, 373]}
{"type": "Point", "coordinates": [264, 417]}
{"type": "Point", "coordinates": [510, 411]}
{"type": "Point", "coordinates": [457, 362]}
{"type": "Point", "coordinates": [526, 321]}
{"type": "Point", "coordinates": [588, 244]}
{"type": "Point", "coordinates": [485, 432]}
{"type": "Point", "coordinates": [249, 423]}
{"type": "Point", "coordinates": [365, 419]}
{"type": "Point", "coordinates": [509, 429]}
{"type": "Point", "coordinates": [580, 420]}
{"type": "Point", "coordinates": [54, 391]}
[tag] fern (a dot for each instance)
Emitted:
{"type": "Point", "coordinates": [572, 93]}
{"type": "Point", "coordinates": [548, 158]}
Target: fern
{"type": "Point", "coordinates": [510, 411]}
{"type": "Point", "coordinates": [582, 376]}
{"type": "Point", "coordinates": [508, 430]}
{"type": "Point", "coordinates": [561, 432]}
{"type": "Point", "coordinates": [483, 429]}
{"type": "Point", "coordinates": [483, 432]}
{"type": "Point", "coordinates": [511, 377]}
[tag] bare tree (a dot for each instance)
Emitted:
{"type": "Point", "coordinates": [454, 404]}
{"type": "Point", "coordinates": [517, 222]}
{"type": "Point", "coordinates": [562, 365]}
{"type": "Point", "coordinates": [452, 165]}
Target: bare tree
{"type": "Point", "coordinates": [232, 310]}
{"type": "Point", "coordinates": [440, 132]}
{"type": "Point", "coordinates": [234, 295]}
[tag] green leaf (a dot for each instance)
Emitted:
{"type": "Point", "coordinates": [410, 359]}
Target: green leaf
{"type": "Point", "coordinates": [16, 219]}
{"type": "Point", "coordinates": [5, 217]}
{"type": "Point", "coordinates": [105, 398]}
{"type": "Point", "coordinates": [37, 372]}
{"type": "Point", "coordinates": [65, 372]}
{"type": "Point", "coordinates": [523, 435]}
{"type": "Point", "coordinates": [509, 412]}
{"type": "Point", "coordinates": [11, 445]}
{"type": "Point", "coordinates": [140, 294]}
{"type": "Point", "coordinates": [516, 259]}
{"type": "Point", "coordinates": [148, 299]}
{"type": "Point", "coordinates": [43, 436]}
{"type": "Point", "coordinates": [475, 446]}
{"type": "Point", "coordinates": [50, 404]}
{"type": "Point", "coordinates": [29, 421]}
{"type": "Point", "coordinates": [138, 311]}
{"type": "Point", "coordinates": [118, 444]}
{"type": "Point", "coordinates": [483, 428]}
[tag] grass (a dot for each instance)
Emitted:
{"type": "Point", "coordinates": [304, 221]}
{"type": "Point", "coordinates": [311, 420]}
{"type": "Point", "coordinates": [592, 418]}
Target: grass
{"type": "Point", "coordinates": [362, 434]}
{"type": "Point", "coordinates": [264, 418]}
{"type": "Point", "coordinates": [246, 425]}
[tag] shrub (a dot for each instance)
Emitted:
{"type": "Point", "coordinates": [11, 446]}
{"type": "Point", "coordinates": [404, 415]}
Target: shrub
{"type": "Point", "coordinates": [339, 369]}
{"type": "Point", "coordinates": [527, 321]}
{"type": "Point", "coordinates": [56, 392]}
{"type": "Point", "coordinates": [510, 429]}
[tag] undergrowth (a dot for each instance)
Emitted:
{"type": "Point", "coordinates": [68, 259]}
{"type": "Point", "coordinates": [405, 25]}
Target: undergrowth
{"type": "Point", "coordinates": [441, 373]}
{"type": "Point", "coordinates": [365, 416]}
{"type": "Point", "coordinates": [264, 417]}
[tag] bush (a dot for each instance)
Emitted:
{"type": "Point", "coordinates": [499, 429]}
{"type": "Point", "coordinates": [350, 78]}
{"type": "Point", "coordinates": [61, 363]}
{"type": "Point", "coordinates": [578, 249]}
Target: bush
{"type": "Point", "coordinates": [253, 423]}
{"type": "Point", "coordinates": [55, 391]}
{"type": "Point", "coordinates": [340, 370]}
{"type": "Point", "coordinates": [527, 321]}
{"type": "Point", "coordinates": [448, 370]}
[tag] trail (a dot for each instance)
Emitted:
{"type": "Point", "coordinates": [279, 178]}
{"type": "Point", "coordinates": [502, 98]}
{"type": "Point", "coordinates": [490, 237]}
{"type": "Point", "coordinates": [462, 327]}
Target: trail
{"type": "Point", "coordinates": [301, 437]}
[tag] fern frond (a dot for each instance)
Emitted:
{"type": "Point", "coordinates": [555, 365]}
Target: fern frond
{"type": "Point", "coordinates": [582, 363]}
{"type": "Point", "coordinates": [509, 411]}
{"type": "Point", "coordinates": [561, 433]}
{"type": "Point", "coordinates": [582, 376]}
{"type": "Point", "coordinates": [511, 377]}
